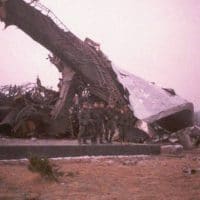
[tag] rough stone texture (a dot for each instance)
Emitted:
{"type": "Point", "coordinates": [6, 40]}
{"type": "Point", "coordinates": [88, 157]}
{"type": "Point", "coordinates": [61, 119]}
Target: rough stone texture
{"type": "Point", "coordinates": [184, 137]}
{"type": "Point", "coordinates": [185, 140]}
{"type": "Point", "coordinates": [150, 102]}
{"type": "Point", "coordinates": [172, 149]}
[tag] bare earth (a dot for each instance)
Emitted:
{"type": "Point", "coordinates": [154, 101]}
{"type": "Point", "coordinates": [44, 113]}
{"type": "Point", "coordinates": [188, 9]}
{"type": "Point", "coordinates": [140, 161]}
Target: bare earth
{"type": "Point", "coordinates": [117, 178]}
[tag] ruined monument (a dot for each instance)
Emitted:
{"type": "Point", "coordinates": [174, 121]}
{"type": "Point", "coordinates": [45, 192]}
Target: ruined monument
{"type": "Point", "coordinates": [83, 64]}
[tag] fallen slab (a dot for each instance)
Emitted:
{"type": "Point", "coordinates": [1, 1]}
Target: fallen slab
{"type": "Point", "coordinates": [172, 149]}
{"type": "Point", "coordinates": [52, 151]}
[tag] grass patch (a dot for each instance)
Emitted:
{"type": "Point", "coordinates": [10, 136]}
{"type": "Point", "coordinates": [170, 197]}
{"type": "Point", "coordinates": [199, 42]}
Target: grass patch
{"type": "Point", "coordinates": [42, 166]}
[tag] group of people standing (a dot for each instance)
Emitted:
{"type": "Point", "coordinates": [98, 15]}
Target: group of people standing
{"type": "Point", "coordinates": [98, 122]}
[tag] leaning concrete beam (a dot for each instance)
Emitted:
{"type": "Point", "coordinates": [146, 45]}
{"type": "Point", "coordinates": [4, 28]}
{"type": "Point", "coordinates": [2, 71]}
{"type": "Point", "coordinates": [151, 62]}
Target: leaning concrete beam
{"type": "Point", "coordinates": [52, 151]}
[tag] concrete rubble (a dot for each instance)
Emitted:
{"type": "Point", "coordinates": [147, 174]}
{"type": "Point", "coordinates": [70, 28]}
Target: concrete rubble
{"type": "Point", "coordinates": [172, 149]}
{"type": "Point", "coordinates": [38, 111]}
{"type": "Point", "coordinates": [24, 110]}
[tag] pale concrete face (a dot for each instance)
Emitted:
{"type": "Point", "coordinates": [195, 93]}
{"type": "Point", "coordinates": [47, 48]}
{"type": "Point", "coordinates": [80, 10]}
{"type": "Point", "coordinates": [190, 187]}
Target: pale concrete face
{"type": "Point", "coordinates": [151, 103]}
{"type": "Point", "coordinates": [155, 39]}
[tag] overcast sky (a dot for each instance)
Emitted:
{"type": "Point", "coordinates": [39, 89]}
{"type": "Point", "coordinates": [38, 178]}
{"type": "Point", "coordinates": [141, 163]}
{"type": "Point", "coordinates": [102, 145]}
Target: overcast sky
{"type": "Point", "coordinates": [157, 40]}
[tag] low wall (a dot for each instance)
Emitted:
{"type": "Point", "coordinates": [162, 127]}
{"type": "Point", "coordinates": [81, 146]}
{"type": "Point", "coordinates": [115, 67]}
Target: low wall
{"type": "Point", "coordinates": [53, 151]}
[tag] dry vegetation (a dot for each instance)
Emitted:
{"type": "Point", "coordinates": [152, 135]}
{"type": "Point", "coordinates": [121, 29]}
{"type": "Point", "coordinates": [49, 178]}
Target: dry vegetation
{"type": "Point", "coordinates": [156, 177]}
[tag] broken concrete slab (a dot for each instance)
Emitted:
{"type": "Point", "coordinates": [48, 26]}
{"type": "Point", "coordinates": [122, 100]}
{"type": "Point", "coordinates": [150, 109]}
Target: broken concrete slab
{"type": "Point", "coordinates": [171, 149]}
{"type": "Point", "coordinates": [184, 138]}
{"type": "Point", "coordinates": [151, 103]}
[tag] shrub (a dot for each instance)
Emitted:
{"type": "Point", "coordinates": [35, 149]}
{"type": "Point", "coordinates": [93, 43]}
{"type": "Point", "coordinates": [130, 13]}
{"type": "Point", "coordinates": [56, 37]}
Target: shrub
{"type": "Point", "coordinates": [43, 167]}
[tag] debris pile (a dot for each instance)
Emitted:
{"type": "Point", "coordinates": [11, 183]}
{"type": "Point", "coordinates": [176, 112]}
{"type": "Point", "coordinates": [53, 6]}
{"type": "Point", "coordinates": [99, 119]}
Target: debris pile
{"type": "Point", "coordinates": [83, 66]}
{"type": "Point", "coordinates": [186, 138]}
{"type": "Point", "coordinates": [25, 109]}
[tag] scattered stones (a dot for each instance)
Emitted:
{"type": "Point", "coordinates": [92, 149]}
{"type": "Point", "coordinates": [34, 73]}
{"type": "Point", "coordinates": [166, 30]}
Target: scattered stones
{"type": "Point", "coordinates": [188, 137]}
{"type": "Point", "coordinates": [173, 140]}
{"type": "Point", "coordinates": [172, 149]}
{"type": "Point", "coordinates": [185, 140]}
{"type": "Point", "coordinates": [32, 196]}
{"type": "Point", "coordinates": [130, 162]}
{"type": "Point", "coordinates": [191, 171]}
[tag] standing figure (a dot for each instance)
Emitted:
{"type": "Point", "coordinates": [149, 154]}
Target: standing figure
{"type": "Point", "coordinates": [92, 126]}
{"type": "Point", "coordinates": [103, 117]}
{"type": "Point", "coordinates": [84, 120]}
{"type": "Point", "coordinates": [97, 119]}
{"type": "Point", "coordinates": [110, 123]}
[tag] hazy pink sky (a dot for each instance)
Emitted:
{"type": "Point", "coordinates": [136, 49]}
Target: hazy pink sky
{"type": "Point", "coordinates": [158, 40]}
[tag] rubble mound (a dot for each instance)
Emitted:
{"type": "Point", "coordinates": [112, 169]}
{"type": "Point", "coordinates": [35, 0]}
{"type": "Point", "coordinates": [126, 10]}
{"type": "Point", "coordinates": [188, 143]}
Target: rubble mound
{"type": "Point", "coordinates": [25, 109]}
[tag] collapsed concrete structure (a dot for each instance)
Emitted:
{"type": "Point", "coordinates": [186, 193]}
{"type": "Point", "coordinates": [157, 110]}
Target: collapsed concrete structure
{"type": "Point", "coordinates": [151, 103]}
{"type": "Point", "coordinates": [84, 65]}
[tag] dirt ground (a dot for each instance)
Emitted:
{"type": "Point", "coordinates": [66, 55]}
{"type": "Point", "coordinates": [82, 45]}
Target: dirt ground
{"type": "Point", "coordinates": [112, 178]}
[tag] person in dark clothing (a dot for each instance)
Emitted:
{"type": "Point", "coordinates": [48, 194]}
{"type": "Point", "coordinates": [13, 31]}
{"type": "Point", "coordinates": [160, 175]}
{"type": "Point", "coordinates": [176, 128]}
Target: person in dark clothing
{"type": "Point", "coordinates": [103, 115]}
{"type": "Point", "coordinates": [110, 122]}
{"type": "Point", "coordinates": [97, 119]}
{"type": "Point", "coordinates": [73, 119]}
{"type": "Point", "coordinates": [84, 117]}
{"type": "Point", "coordinates": [91, 126]}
